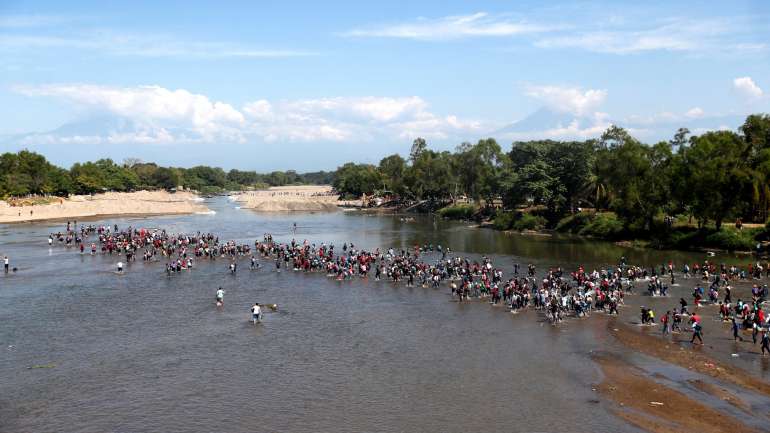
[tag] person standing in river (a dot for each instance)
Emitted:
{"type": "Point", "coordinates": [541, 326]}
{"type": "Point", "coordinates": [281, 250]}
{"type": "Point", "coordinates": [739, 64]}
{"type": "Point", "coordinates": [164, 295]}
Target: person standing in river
{"type": "Point", "coordinates": [736, 329]}
{"type": "Point", "coordinates": [256, 313]}
{"type": "Point", "coordinates": [6, 263]}
{"type": "Point", "coordinates": [220, 297]}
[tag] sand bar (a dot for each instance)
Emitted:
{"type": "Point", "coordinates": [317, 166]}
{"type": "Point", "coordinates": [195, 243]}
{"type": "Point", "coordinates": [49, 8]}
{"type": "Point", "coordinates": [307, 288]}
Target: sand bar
{"type": "Point", "coordinates": [305, 198]}
{"type": "Point", "coordinates": [111, 203]}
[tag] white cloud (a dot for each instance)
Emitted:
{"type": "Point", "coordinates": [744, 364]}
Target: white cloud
{"type": "Point", "coordinates": [613, 34]}
{"type": "Point", "coordinates": [151, 105]}
{"type": "Point", "coordinates": [666, 117]}
{"type": "Point", "coordinates": [381, 109]}
{"type": "Point", "coordinates": [160, 115]}
{"type": "Point", "coordinates": [450, 27]}
{"type": "Point", "coordinates": [572, 100]}
{"type": "Point", "coordinates": [24, 21]}
{"type": "Point", "coordinates": [747, 88]}
{"type": "Point", "coordinates": [694, 113]}
{"type": "Point", "coordinates": [258, 109]}
{"type": "Point", "coordinates": [674, 34]}
{"type": "Point", "coordinates": [347, 118]}
{"type": "Point", "coordinates": [140, 46]}
{"type": "Point", "coordinates": [619, 42]}
{"type": "Point", "coordinates": [576, 129]}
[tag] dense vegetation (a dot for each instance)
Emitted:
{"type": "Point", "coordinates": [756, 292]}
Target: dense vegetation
{"type": "Point", "coordinates": [633, 190]}
{"type": "Point", "coordinates": [673, 193]}
{"type": "Point", "coordinates": [27, 172]}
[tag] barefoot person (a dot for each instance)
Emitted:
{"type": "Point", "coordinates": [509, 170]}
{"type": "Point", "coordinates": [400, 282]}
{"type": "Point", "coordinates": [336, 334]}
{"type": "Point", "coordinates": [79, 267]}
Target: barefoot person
{"type": "Point", "coordinates": [256, 313]}
{"type": "Point", "coordinates": [220, 297]}
{"type": "Point", "coordinates": [736, 330]}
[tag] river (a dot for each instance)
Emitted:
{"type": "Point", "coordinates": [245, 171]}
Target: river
{"type": "Point", "coordinates": [144, 352]}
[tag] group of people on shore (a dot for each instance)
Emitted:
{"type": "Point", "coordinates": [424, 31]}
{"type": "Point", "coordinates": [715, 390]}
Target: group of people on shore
{"type": "Point", "coordinates": [556, 295]}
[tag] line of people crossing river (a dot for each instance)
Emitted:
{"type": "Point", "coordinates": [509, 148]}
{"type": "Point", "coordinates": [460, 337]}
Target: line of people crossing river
{"type": "Point", "coordinates": [556, 293]}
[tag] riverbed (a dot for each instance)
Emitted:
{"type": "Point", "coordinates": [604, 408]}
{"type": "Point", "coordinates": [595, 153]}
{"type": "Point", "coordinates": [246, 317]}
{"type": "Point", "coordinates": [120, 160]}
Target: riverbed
{"type": "Point", "coordinates": [83, 349]}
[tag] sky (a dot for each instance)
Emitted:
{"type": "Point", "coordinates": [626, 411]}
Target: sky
{"type": "Point", "coordinates": [310, 85]}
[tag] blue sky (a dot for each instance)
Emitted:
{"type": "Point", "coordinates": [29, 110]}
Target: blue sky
{"type": "Point", "coordinates": [310, 85]}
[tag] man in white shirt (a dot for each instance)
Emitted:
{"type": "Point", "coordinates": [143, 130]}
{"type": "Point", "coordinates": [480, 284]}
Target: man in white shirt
{"type": "Point", "coordinates": [256, 313]}
{"type": "Point", "coordinates": [120, 266]}
{"type": "Point", "coordinates": [7, 263]}
{"type": "Point", "coordinates": [220, 296]}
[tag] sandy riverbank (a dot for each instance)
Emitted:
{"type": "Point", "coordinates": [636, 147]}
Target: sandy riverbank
{"type": "Point", "coordinates": [305, 198]}
{"type": "Point", "coordinates": [111, 203]}
{"type": "Point", "coordinates": [664, 384]}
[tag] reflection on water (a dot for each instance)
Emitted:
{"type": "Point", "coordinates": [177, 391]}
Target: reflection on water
{"type": "Point", "coordinates": [145, 352]}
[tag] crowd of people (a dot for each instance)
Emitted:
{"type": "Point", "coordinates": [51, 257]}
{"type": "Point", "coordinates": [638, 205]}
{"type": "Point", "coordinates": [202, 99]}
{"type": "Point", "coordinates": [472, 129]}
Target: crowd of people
{"type": "Point", "coordinates": [556, 294]}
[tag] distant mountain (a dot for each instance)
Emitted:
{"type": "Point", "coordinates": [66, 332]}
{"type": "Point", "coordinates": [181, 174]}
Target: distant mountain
{"type": "Point", "coordinates": [93, 126]}
{"type": "Point", "coordinates": [543, 119]}
{"type": "Point", "coordinates": [548, 123]}
{"type": "Point", "coordinates": [88, 130]}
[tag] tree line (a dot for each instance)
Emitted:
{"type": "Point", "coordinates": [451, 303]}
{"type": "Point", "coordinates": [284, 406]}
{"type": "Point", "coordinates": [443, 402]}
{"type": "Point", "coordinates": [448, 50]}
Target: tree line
{"type": "Point", "coordinates": [712, 177]}
{"type": "Point", "coordinates": [26, 173]}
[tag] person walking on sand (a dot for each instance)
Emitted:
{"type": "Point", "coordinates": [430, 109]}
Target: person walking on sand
{"type": "Point", "coordinates": [664, 321]}
{"type": "Point", "coordinates": [697, 332]}
{"type": "Point", "coordinates": [6, 263]}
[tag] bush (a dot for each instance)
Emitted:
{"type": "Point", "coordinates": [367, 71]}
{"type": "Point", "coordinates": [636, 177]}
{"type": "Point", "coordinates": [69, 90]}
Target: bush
{"type": "Point", "coordinates": [529, 222]}
{"type": "Point", "coordinates": [726, 239]}
{"type": "Point", "coordinates": [458, 212]}
{"type": "Point", "coordinates": [518, 221]}
{"type": "Point", "coordinates": [604, 226]}
{"type": "Point", "coordinates": [504, 220]}
{"type": "Point", "coordinates": [574, 223]}
{"type": "Point", "coordinates": [732, 240]}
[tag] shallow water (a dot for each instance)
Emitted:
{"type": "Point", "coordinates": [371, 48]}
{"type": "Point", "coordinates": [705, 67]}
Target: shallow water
{"type": "Point", "coordinates": [145, 352]}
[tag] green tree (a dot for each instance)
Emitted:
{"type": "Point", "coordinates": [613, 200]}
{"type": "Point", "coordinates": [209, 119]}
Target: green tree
{"type": "Point", "coordinates": [718, 175]}
{"type": "Point", "coordinates": [431, 176]}
{"type": "Point", "coordinates": [479, 168]}
{"type": "Point", "coordinates": [551, 173]}
{"type": "Point", "coordinates": [393, 168]}
{"type": "Point", "coordinates": [419, 145]}
{"type": "Point", "coordinates": [357, 179]}
{"type": "Point", "coordinates": [168, 178]}
{"type": "Point", "coordinates": [145, 172]}
{"type": "Point", "coordinates": [756, 134]}
{"type": "Point", "coordinates": [636, 175]}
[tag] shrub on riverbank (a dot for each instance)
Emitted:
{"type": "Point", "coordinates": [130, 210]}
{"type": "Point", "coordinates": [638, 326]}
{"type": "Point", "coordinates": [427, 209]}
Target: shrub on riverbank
{"type": "Point", "coordinates": [458, 212]}
{"type": "Point", "coordinates": [574, 223]}
{"type": "Point", "coordinates": [607, 226]}
{"type": "Point", "coordinates": [518, 221]}
{"type": "Point", "coordinates": [603, 225]}
{"type": "Point", "coordinates": [727, 238]}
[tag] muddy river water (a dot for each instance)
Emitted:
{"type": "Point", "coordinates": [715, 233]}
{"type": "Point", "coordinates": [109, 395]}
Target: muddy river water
{"type": "Point", "coordinates": [143, 352]}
